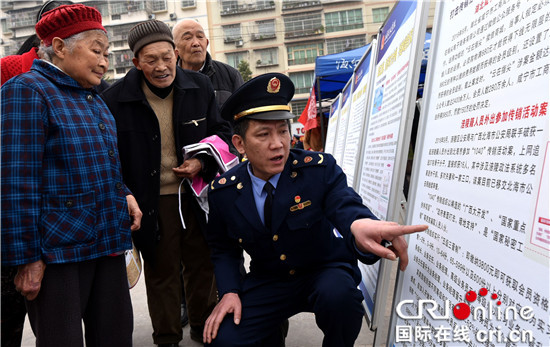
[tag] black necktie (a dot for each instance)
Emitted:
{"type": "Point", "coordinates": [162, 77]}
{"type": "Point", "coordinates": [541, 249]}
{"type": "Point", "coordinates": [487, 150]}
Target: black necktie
{"type": "Point", "coordinates": [268, 187]}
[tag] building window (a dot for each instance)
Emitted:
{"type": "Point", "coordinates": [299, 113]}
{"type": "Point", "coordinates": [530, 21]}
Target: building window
{"type": "Point", "coordinates": [122, 58]}
{"type": "Point", "coordinates": [229, 6]}
{"type": "Point", "coordinates": [298, 107]}
{"type": "Point", "coordinates": [343, 44]}
{"type": "Point", "coordinates": [188, 3]}
{"type": "Point", "coordinates": [23, 19]}
{"type": "Point", "coordinates": [159, 5]}
{"type": "Point", "coordinates": [379, 14]}
{"type": "Point", "coordinates": [266, 57]}
{"type": "Point", "coordinates": [234, 59]}
{"type": "Point", "coordinates": [304, 54]}
{"type": "Point", "coordinates": [304, 24]}
{"type": "Point", "coordinates": [344, 20]}
{"type": "Point", "coordinates": [231, 33]}
{"type": "Point", "coordinates": [303, 81]}
{"type": "Point", "coordinates": [120, 32]}
{"type": "Point", "coordinates": [5, 28]}
{"type": "Point", "coordinates": [265, 29]}
{"type": "Point", "coordinates": [127, 6]}
{"type": "Point", "coordinates": [101, 6]}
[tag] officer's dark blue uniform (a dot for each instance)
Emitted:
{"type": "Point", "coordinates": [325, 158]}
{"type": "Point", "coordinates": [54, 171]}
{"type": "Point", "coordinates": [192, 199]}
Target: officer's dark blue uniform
{"type": "Point", "coordinates": [299, 265]}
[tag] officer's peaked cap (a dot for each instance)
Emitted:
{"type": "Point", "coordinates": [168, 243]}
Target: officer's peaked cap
{"type": "Point", "coordinates": [265, 97]}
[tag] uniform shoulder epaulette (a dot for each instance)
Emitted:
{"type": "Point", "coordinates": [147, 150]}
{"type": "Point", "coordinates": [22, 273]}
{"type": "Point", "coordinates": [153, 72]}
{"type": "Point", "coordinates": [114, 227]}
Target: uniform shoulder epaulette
{"type": "Point", "coordinates": [307, 158]}
{"type": "Point", "coordinates": [223, 181]}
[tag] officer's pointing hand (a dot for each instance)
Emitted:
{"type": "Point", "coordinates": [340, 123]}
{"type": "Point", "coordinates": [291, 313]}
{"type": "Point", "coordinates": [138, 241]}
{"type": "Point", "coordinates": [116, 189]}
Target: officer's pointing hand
{"type": "Point", "coordinates": [369, 234]}
{"type": "Point", "coordinates": [230, 303]}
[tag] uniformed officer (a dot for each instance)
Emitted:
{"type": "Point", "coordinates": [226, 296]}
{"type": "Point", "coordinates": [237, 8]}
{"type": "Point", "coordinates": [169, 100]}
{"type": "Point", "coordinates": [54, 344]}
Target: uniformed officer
{"type": "Point", "coordinates": [281, 207]}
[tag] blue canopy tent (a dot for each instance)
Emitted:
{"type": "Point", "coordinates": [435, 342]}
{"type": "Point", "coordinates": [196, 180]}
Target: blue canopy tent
{"type": "Point", "coordinates": [333, 71]}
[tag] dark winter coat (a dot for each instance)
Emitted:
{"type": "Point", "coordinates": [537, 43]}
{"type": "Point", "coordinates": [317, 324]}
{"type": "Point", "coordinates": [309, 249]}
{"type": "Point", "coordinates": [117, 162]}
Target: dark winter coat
{"type": "Point", "coordinates": [224, 78]}
{"type": "Point", "coordinates": [195, 116]}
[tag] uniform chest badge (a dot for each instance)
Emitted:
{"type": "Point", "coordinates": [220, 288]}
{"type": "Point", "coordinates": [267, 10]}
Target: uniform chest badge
{"type": "Point", "coordinates": [300, 206]}
{"type": "Point", "coordinates": [297, 199]}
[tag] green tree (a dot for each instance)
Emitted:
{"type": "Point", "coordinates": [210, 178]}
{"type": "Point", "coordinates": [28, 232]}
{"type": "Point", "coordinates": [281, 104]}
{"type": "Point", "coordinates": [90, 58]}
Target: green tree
{"type": "Point", "coordinates": [244, 69]}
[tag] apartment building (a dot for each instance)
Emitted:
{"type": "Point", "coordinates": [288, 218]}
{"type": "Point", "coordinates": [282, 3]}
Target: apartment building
{"type": "Point", "coordinates": [271, 35]}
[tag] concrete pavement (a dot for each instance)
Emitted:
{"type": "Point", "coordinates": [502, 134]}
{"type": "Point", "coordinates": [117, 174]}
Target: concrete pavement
{"type": "Point", "coordinates": [303, 331]}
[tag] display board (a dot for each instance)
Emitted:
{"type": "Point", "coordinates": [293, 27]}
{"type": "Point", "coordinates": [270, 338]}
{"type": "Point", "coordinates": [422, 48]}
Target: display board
{"type": "Point", "coordinates": [332, 127]}
{"type": "Point", "coordinates": [362, 80]}
{"type": "Point", "coordinates": [480, 274]}
{"type": "Point", "coordinates": [341, 131]}
{"type": "Point", "coordinates": [392, 107]}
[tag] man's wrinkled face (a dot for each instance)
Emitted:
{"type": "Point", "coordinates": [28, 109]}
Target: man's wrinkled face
{"type": "Point", "coordinates": [158, 61]}
{"type": "Point", "coordinates": [191, 43]}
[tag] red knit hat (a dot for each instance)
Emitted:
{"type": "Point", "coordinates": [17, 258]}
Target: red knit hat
{"type": "Point", "coordinates": [67, 20]}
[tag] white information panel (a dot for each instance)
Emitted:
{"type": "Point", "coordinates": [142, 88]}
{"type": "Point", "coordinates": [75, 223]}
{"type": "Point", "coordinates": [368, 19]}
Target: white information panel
{"type": "Point", "coordinates": [341, 131]}
{"type": "Point", "coordinates": [480, 276]}
{"type": "Point", "coordinates": [361, 81]}
{"type": "Point", "coordinates": [332, 127]}
{"type": "Point", "coordinates": [388, 106]}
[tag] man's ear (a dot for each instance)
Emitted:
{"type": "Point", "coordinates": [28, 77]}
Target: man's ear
{"type": "Point", "coordinates": [238, 142]}
{"type": "Point", "coordinates": [207, 42]}
{"type": "Point", "coordinates": [136, 63]}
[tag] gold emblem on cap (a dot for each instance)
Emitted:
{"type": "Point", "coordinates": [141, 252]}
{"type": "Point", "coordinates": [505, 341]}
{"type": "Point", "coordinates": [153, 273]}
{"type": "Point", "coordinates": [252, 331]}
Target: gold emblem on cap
{"type": "Point", "coordinates": [240, 185]}
{"type": "Point", "coordinates": [308, 159]}
{"type": "Point", "coordinates": [274, 85]}
{"type": "Point", "coordinates": [293, 174]}
{"type": "Point", "coordinates": [222, 180]}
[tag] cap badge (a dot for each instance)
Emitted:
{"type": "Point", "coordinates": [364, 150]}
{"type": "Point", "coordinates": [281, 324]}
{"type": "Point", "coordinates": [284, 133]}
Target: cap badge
{"type": "Point", "coordinates": [274, 85]}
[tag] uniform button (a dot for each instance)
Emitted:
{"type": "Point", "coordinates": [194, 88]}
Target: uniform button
{"type": "Point", "coordinates": [155, 137]}
{"type": "Point", "coordinates": [119, 186]}
{"type": "Point", "coordinates": [292, 272]}
{"type": "Point", "coordinates": [111, 153]}
{"type": "Point", "coordinates": [89, 97]}
{"type": "Point", "coordinates": [275, 237]}
{"type": "Point", "coordinates": [240, 240]}
{"type": "Point", "coordinates": [102, 126]}
{"type": "Point", "coordinates": [151, 212]}
{"type": "Point", "coordinates": [154, 173]}
{"type": "Point", "coordinates": [69, 203]}
{"type": "Point", "coordinates": [282, 257]}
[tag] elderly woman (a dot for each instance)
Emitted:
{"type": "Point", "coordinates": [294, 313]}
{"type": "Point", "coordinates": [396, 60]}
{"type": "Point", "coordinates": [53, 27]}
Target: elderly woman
{"type": "Point", "coordinates": [66, 214]}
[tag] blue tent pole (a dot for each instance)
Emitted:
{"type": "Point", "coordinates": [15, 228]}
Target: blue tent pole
{"type": "Point", "coordinates": [320, 111]}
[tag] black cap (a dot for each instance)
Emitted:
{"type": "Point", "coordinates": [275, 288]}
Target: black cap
{"type": "Point", "coordinates": [264, 97]}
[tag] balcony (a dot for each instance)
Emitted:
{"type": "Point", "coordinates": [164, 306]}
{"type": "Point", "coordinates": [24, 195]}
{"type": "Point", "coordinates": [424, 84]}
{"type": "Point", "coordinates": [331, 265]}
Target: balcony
{"type": "Point", "coordinates": [236, 39]}
{"type": "Point", "coordinates": [304, 33]}
{"type": "Point", "coordinates": [293, 5]}
{"type": "Point", "coordinates": [247, 8]}
{"type": "Point", "coordinates": [260, 63]}
{"type": "Point", "coordinates": [260, 37]}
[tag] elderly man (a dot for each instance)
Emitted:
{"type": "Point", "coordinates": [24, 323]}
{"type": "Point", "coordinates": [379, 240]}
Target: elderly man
{"type": "Point", "coordinates": [191, 42]}
{"type": "Point", "coordinates": [66, 214]}
{"type": "Point", "coordinates": [159, 108]}
{"type": "Point", "coordinates": [284, 206]}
